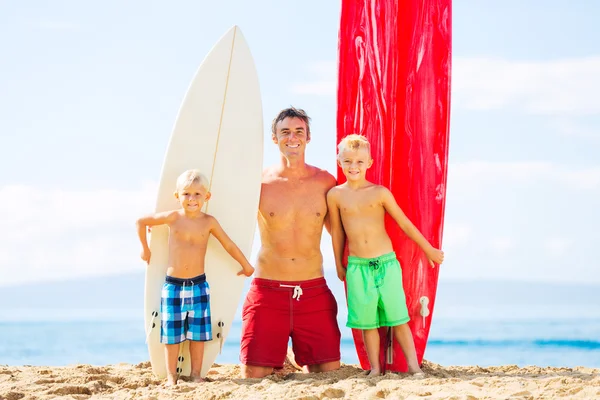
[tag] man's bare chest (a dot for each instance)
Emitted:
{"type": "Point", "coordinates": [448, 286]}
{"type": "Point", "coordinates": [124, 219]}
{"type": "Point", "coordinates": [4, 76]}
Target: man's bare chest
{"type": "Point", "coordinates": [285, 202]}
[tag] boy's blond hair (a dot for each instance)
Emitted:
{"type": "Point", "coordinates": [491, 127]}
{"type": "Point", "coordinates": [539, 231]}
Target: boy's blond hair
{"type": "Point", "coordinates": [191, 176]}
{"type": "Point", "coordinates": [354, 142]}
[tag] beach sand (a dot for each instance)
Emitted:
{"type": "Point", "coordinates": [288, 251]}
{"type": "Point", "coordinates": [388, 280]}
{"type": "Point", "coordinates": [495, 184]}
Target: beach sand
{"type": "Point", "coordinates": [126, 381]}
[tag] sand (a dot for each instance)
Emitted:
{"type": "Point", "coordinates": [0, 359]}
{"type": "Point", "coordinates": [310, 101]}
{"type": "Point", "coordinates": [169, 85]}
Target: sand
{"type": "Point", "coordinates": [126, 381]}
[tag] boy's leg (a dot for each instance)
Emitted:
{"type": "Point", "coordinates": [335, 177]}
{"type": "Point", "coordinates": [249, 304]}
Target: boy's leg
{"type": "Point", "coordinates": [404, 337]}
{"type": "Point", "coordinates": [199, 326]}
{"type": "Point", "coordinates": [171, 354]}
{"type": "Point", "coordinates": [171, 328]}
{"type": "Point", "coordinates": [196, 357]}
{"type": "Point", "coordinates": [371, 339]}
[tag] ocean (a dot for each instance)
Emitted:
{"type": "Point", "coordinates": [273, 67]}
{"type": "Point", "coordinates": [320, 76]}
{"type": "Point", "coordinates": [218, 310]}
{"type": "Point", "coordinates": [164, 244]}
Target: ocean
{"type": "Point", "coordinates": [112, 340]}
{"type": "Point", "coordinates": [481, 324]}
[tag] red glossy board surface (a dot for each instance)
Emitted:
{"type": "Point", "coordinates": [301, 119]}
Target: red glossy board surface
{"type": "Point", "coordinates": [394, 88]}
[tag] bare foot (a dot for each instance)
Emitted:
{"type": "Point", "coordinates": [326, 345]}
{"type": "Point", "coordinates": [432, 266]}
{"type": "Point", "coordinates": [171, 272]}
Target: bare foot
{"type": "Point", "coordinates": [291, 358]}
{"type": "Point", "coordinates": [372, 373]}
{"type": "Point", "coordinates": [416, 372]}
{"type": "Point", "coordinates": [197, 379]}
{"type": "Point", "coordinates": [171, 380]}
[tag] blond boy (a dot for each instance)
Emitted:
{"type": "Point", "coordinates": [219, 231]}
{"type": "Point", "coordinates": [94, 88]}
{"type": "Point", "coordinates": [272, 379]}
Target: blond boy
{"type": "Point", "coordinates": [374, 278]}
{"type": "Point", "coordinates": [185, 306]}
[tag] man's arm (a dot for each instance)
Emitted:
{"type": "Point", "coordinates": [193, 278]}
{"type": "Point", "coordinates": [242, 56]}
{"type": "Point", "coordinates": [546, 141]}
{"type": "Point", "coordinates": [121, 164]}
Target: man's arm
{"type": "Point", "coordinates": [338, 236]}
{"type": "Point", "coordinates": [330, 183]}
{"type": "Point", "coordinates": [230, 247]}
{"type": "Point", "coordinates": [152, 220]}
{"type": "Point", "coordinates": [392, 207]}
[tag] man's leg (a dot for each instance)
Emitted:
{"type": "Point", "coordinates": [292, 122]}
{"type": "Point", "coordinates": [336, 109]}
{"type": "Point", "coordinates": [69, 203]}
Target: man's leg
{"type": "Point", "coordinates": [255, 371]}
{"type": "Point", "coordinates": [325, 367]}
{"type": "Point", "coordinates": [265, 331]}
{"type": "Point", "coordinates": [316, 336]}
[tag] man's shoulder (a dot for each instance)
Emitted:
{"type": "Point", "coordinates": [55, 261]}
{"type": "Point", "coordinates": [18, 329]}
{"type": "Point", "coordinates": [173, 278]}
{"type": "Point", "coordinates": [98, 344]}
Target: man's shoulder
{"type": "Point", "coordinates": [322, 175]}
{"type": "Point", "coordinates": [269, 174]}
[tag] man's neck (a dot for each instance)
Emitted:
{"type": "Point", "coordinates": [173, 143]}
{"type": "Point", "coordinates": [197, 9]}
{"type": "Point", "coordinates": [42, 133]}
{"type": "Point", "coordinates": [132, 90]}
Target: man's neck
{"type": "Point", "coordinates": [293, 167]}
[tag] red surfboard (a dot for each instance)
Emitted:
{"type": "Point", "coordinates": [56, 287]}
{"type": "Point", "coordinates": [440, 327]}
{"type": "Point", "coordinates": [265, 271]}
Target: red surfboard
{"type": "Point", "coordinates": [394, 88]}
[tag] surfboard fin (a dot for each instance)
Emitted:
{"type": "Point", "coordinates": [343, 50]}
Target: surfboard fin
{"type": "Point", "coordinates": [220, 324]}
{"type": "Point", "coordinates": [424, 300]}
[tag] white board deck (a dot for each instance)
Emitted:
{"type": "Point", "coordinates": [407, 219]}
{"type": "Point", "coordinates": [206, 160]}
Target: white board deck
{"type": "Point", "coordinates": [219, 130]}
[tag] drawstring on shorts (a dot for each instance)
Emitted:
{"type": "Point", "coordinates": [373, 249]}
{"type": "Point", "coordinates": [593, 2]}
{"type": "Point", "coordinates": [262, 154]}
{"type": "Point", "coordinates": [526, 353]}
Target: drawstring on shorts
{"type": "Point", "coordinates": [297, 291]}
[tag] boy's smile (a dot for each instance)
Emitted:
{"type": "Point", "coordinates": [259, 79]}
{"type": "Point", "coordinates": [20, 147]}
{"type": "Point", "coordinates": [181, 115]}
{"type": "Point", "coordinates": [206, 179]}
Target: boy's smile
{"type": "Point", "coordinates": [355, 163]}
{"type": "Point", "coordinates": [192, 197]}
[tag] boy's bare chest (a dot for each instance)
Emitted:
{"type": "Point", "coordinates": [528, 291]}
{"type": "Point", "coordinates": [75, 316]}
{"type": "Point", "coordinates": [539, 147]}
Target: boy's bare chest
{"type": "Point", "coordinates": [191, 231]}
{"type": "Point", "coordinates": [360, 204]}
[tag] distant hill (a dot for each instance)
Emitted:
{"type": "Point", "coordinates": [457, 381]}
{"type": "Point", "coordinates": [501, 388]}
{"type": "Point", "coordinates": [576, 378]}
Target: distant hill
{"type": "Point", "coordinates": [454, 297]}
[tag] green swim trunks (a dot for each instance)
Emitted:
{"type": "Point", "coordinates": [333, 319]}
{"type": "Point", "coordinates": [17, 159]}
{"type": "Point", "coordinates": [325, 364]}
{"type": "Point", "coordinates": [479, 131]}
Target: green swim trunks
{"type": "Point", "coordinates": [375, 293]}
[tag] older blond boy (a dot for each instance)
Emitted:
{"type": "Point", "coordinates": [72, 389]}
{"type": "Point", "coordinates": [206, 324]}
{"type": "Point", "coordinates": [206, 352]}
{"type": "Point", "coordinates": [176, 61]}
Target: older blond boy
{"type": "Point", "coordinates": [373, 276]}
{"type": "Point", "coordinates": [185, 306]}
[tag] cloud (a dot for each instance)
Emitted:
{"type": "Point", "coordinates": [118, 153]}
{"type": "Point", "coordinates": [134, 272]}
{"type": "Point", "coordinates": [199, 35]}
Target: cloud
{"type": "Point", "coordinates": [53, 234]}
{"type": "Point", "coordinates": [558, 246]}
{"type": "Point", "coordinates": [466, 173]}
{"type": "Point", "coordinates": [555, 87]}
{"type": "Point", "coordinates": [456, 235]}
{"type": "Point", "coordinates": [502, 245]}
{"type": "Point", "coordinates": [571, 128]}
{"type": "Point", "coordinates": [324, 82]}
{"type": "Point", "coordinates": [567, 87]}
{"type": "Point", "coordinates": [57, 25]}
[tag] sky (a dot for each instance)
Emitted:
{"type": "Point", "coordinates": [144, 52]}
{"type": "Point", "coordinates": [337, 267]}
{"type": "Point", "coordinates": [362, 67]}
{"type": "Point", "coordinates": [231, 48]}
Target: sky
{"type": "Point", "coordinates": [89, 92]}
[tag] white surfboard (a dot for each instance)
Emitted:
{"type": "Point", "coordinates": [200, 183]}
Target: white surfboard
{"type": "Point", "coordinates": [219, 130]}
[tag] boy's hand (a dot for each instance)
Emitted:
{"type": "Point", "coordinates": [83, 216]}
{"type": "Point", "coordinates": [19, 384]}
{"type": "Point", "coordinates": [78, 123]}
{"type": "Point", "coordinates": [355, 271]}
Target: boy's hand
{"type": "Point", "coordinates": [246, 272]}
{"type": "Point", "coordinates": [146, 255]}
{"type": "Point", "coordinates": [341, 273]}
{"type": "Point", "coordinates": [435, 256]}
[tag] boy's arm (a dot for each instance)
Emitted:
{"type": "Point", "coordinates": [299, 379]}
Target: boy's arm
{"type": "Point", "coordinates": [338, 236]}
{"type": "Point", "coordinates": [152, 220]}
{"type": "Point", "coordinates": [392, 207]}
{"type": "Point", "coordinates": [217, 231]}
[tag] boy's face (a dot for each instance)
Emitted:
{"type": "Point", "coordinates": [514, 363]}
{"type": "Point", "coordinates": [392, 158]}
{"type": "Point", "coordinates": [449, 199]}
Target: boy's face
{"type": "Point", "coordinates": [192, 197]}
{"type": "Point", "coordinates": [355, 163]}
{"type": "Point", "coordinates": [291, 136]}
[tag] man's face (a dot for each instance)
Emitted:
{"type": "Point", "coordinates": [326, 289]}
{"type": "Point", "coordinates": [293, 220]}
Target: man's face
{"type": "Point", "coordinates": [291, 136]}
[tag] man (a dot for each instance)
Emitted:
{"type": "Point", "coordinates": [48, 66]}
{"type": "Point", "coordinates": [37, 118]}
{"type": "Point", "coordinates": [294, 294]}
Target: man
{"type": "Point", "coordinates": [289, 296]}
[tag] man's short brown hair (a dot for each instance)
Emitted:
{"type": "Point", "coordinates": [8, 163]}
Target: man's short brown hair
{"type": "Point", "coordinates": [291, 112]}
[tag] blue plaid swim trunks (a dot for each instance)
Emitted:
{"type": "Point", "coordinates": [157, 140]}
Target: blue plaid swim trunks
{"type": "Point", "coordinates": [185, 310]}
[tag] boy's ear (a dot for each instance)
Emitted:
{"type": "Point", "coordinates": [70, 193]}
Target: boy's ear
{"type": "Point", "coordinates": [370, 163]}
{"type": "Point", "coordinates": [176, 194]}
{"type": "Point", "coordinates": [339, 163]}
{"type": "Point", "coordinates": [207, 197]}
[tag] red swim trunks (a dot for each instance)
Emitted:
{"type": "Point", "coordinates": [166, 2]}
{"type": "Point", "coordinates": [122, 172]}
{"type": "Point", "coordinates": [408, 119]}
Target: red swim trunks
{"type": "Point", "coordinates": [274, 311]}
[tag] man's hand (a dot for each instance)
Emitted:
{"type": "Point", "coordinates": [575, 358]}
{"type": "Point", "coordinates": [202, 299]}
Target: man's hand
{"type": "Point", "coordinates": [435, 256]}
{"type": "Point", "coordinates": [146, 255]}
{"type": "Point", "coordinates": [246, 272]}
{"type": "Point", "coordinates": [341, 273]}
